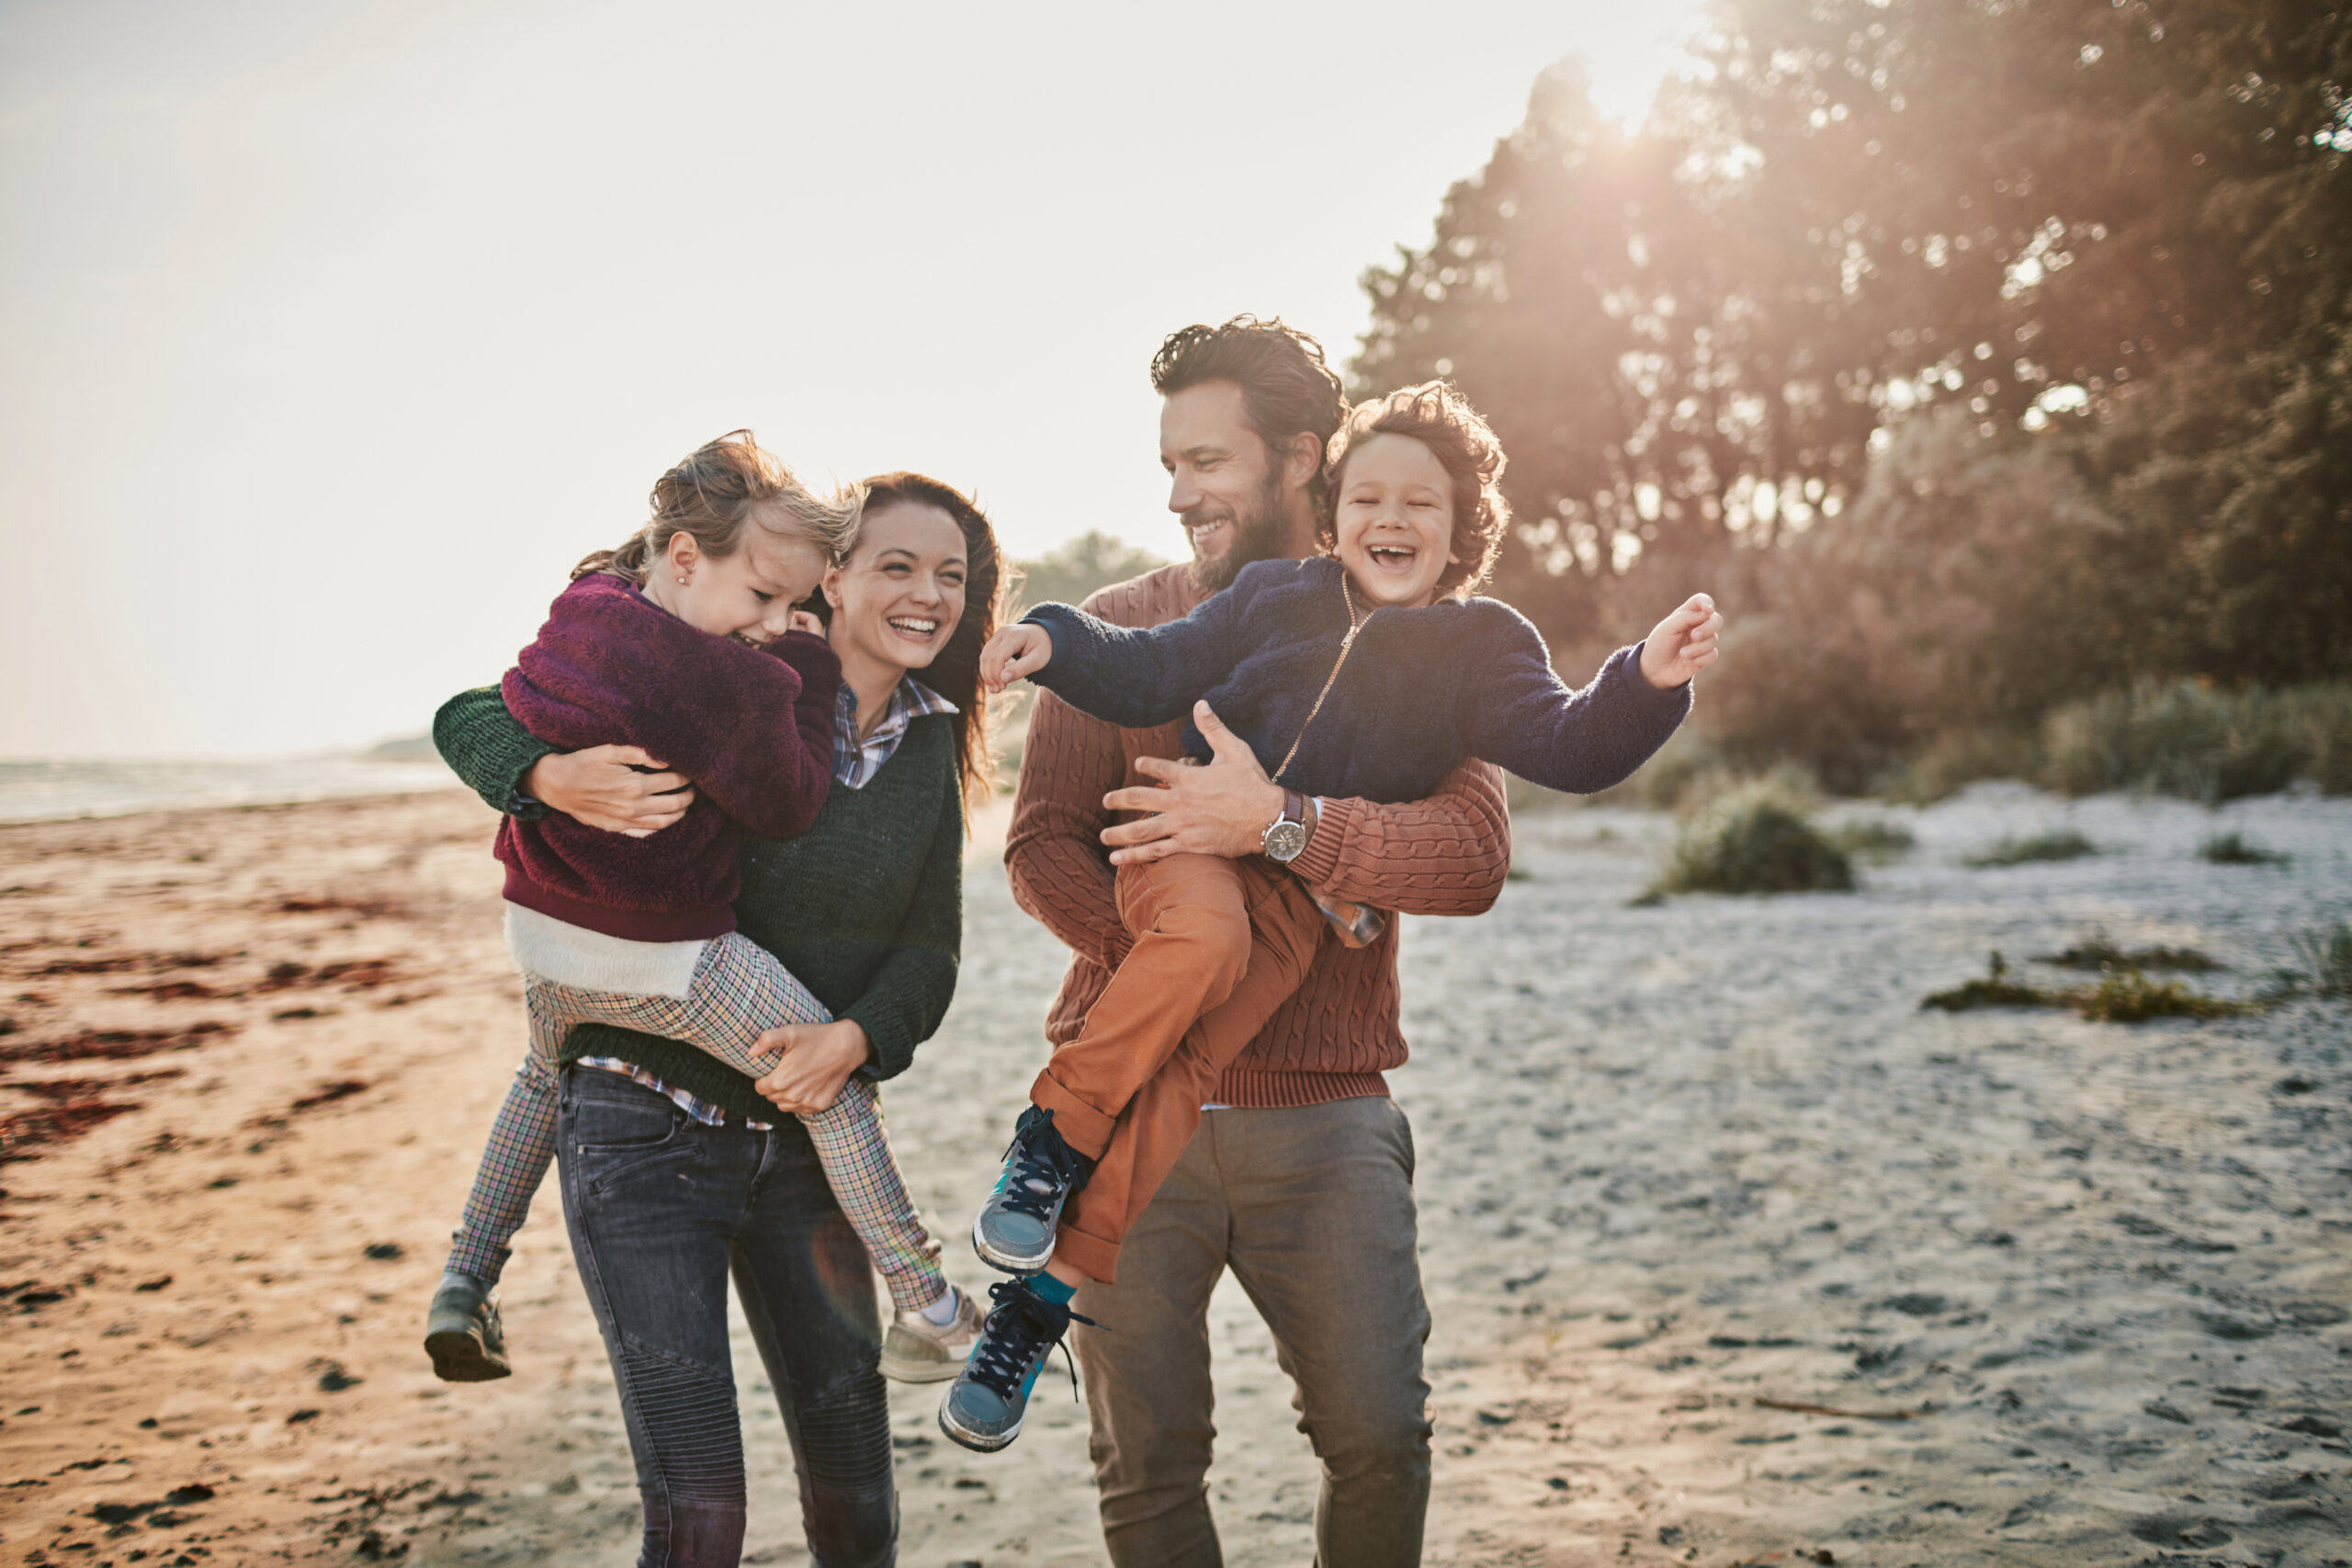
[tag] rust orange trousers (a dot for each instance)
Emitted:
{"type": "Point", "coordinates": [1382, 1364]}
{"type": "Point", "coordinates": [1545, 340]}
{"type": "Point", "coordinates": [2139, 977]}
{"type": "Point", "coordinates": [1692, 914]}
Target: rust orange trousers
{"type": "Point", "coordinates": [1219, 945]}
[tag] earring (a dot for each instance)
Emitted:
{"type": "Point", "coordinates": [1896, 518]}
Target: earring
{"type": "Point", "coordinates": [682, 580]}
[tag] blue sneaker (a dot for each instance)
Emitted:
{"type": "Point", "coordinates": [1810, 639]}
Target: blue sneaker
{"type": "Point", "coordinates": [1014, 1229]}
{"type": "Point", "coordinates": [984, 1410]}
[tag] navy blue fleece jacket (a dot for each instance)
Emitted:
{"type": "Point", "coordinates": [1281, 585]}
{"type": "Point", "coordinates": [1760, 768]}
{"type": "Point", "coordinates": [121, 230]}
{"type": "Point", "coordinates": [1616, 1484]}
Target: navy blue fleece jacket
{"type": "Point", "coordinates": [1420, 690]}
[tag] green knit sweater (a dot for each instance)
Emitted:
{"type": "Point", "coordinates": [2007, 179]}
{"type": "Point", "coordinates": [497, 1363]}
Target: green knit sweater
{"type": "Point", "coordinates": [866, 908]}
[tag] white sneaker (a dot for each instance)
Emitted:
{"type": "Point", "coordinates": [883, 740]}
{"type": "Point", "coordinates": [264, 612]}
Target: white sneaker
{"type": "Point", "coordinates": [915, 1349]}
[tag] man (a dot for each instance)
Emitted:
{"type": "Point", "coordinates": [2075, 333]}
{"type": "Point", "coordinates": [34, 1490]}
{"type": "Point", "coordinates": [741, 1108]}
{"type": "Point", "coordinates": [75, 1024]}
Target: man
{"type": "Point", "coordinates": [1300, 1180]}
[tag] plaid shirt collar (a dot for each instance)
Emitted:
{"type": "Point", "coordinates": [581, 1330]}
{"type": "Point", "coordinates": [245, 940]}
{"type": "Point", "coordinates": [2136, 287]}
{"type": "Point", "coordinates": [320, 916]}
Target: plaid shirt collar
{"type": "Point", "coordinates": [856, 761]}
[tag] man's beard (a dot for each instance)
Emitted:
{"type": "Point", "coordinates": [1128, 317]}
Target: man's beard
{"type": "Point", "coordinates": [1260, 533]}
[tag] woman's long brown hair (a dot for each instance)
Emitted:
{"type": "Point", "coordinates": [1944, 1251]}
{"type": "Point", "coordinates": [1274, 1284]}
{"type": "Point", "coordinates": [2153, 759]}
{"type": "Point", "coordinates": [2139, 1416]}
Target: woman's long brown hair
{"type": "Point", "coordinates": [956, 673]}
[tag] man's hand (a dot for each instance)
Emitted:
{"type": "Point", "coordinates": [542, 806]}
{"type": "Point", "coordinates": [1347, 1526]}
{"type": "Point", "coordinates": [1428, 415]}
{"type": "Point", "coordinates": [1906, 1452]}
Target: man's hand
{"type": "Point", "coordinates": [1683, 644]}
{"type": "Point", "coordinates": [1015, 652]}
{"type": "Point", "coordinates": [602, 787]}
{"type": "Point", "coordinates": [818, 1059]}
{"type": "Point", "coordinates": [1221, 809]}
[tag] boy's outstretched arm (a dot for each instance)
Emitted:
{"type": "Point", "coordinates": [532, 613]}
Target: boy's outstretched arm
{"type": "Point", "coordinates": [1522, 717]}
{"type": "Point", "coordinates": [1686, 642]}
{"type": "Point", "coordinates": [1137, 677]}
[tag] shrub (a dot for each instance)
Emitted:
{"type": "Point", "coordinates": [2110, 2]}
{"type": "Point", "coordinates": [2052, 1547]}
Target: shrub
{"type": "Point", "coordinates": [2201, 743]}
{"type": "Point", "coordinates": [1967, 587]}
{"type": "Point", "coordinates": [1076, 568]}
{"type": "Point", "coordinates": [2098, 953]}
{"type": "Point", "coordinates": [2062, 843]}
{"type": "Point", "coordinates": [1874, 838]}
{"type": "Point", "coordinates": [1756, 839]}
{"type": "Point", "coordinates": [2235, 849]}
{"type": "Point", "coordinates": [1955, 758]}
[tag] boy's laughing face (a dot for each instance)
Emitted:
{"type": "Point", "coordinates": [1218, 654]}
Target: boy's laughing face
{"type": "Point", "coordinates": [1394, 520]}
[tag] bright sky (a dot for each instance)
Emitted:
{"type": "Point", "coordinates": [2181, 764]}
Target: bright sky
{"type": "Point", "coordinates": [333, 331]}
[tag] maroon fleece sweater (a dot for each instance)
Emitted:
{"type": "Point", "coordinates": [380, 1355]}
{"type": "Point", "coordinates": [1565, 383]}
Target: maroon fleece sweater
{"type": "Point", "coordinates": [753, 728]}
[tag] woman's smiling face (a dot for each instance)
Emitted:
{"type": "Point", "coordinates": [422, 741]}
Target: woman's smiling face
{"type": "Point", "coordinates": [1393, 520]}
{"type": "Point", "coordinates": [898, 597]}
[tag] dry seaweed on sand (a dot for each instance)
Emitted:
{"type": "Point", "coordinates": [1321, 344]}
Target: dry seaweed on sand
{"type": "Point", "coordinates": [2126, 996]}
{"type": "Point", "coordinates": [1996, 990]}
{"type": "Point", "coordinates": [2059, 845]}
{"type": "Point", "coordinates": [2097, 952]}
{"type": "Point", "coordinates": [2121, 995]}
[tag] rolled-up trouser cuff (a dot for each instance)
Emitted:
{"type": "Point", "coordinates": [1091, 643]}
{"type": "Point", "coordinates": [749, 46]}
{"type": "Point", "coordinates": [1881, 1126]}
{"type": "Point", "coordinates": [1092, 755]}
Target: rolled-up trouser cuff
{"type": "Point", "coordinates": [1082, 1126]}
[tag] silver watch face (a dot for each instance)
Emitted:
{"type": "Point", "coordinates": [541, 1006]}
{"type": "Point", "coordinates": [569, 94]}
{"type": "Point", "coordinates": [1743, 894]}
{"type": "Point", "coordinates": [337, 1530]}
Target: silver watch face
{"type": "Point", "coordinates": [1283, 840]}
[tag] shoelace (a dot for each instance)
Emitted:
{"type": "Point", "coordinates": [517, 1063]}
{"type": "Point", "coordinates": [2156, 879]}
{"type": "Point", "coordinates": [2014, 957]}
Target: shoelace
{"type": "Point", "coordinates": [1022, 1321]}
{"type": "Point", "coordinates": [1036, 1179]}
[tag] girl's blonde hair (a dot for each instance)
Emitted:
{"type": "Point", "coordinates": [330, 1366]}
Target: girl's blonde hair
{"type": "Point", "coordinates": [718, 489]}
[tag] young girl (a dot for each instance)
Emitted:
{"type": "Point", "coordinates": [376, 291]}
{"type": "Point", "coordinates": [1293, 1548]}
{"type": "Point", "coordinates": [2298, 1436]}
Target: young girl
{"type": "Point", "coordinates": [683, 642]}
{"type": "Point", "coordinates": [1367, 672]}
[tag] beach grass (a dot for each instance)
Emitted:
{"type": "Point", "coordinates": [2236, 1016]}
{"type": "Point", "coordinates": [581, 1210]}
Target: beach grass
{"type": "Point", "coordinates": [2059, 845]}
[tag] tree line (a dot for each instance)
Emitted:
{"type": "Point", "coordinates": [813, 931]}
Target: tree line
{"type": "Point", "coordinates": [1982, 355]}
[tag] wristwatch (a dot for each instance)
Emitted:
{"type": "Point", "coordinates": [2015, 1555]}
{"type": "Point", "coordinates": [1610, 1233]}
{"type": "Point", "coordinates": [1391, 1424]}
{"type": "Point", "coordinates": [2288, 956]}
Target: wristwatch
{"type": "Point", "coordinates": [1286, 836]}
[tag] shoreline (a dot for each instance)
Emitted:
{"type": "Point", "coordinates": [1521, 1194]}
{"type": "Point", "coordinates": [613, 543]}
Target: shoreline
{"type": "Point", "coordinates": [74, 790]}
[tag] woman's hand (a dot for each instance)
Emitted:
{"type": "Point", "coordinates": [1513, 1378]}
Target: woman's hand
{"type": "Point", "coordinates": [818, 1059]}
{"type": "Point", "coordinates": [1683, 644]}
{"type": "Point", "coordinates": [619, 788]}
{"type": "Point", "coordinates": [1015, 652]}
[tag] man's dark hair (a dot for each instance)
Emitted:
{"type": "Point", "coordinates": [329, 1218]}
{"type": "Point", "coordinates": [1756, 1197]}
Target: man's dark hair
{"type": "Point", "coordinates": [1285, 386]}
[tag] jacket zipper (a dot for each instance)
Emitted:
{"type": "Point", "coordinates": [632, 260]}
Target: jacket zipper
{"type": "Point", "coordinates": [1346, 643]}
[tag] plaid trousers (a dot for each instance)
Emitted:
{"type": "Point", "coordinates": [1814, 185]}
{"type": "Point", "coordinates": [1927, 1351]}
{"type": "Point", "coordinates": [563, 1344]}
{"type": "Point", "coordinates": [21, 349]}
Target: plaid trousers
{"type": "Point", "coordinates": [739, 992]}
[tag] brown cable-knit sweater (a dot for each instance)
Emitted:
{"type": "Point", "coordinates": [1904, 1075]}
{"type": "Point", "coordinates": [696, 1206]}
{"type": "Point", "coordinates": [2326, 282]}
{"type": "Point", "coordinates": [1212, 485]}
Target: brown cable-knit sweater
{"type": "Point", "coordinates": [1445, 855]}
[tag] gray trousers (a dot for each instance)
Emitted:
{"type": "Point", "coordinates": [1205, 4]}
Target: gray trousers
{"type": "Point", "coordinates": [1312, 1210]}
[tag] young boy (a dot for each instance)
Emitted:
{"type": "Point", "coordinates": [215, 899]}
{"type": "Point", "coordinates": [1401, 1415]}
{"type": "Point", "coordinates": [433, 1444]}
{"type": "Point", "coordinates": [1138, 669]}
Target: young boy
{"type": "Point", "coordinates": [1367, 672]}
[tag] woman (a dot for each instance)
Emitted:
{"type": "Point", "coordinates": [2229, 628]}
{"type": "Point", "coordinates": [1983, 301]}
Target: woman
{"type": "Point", "coordinates": [666, 1189]}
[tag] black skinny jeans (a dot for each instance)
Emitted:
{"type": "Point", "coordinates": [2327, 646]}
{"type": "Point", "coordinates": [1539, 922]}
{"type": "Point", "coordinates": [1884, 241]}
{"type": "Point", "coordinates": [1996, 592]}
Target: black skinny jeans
{"type": "Point", "coordinates": [661, 1210]}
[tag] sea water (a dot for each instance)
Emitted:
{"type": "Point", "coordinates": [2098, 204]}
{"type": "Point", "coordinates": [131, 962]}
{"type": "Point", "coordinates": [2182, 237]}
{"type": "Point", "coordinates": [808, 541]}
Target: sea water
{"type": "Point", "coordinates": [37, 789]}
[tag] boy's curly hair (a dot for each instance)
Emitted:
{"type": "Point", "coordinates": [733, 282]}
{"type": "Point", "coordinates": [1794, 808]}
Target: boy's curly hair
{"type": "Point", "coordinates": [1440, 418]}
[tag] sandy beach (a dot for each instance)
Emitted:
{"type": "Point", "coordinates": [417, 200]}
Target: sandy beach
{"type": "Point", "coordinates": [1735, 1255]}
